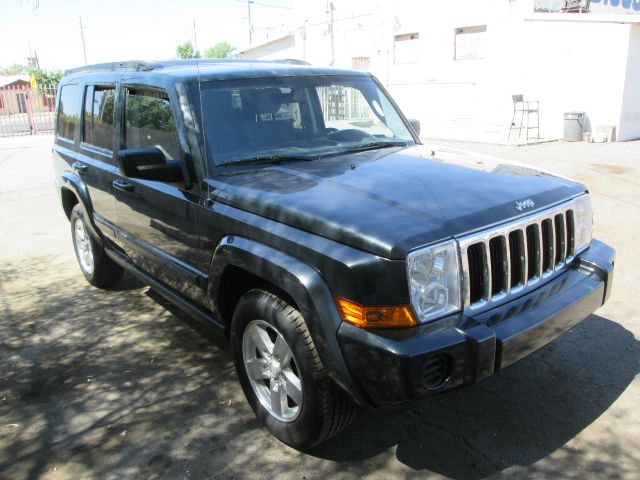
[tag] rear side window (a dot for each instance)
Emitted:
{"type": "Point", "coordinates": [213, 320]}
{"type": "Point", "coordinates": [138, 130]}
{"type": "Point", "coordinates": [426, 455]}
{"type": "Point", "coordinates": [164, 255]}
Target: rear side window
{"type": "Point", "coordinates": [69, 111]}
{"type": "Point", "coordinates": [150, 122]}
{"type": "Point", "coordinates": [99, 104]}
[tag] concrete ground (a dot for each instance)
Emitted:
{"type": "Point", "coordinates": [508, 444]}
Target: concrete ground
{"type": "Point", "coordinates": [112, 384]}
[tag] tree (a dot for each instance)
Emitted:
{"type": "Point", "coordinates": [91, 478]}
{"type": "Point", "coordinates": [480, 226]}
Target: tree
{"type": "Point", "coordinates": [46, 77]}
{"type": "Point", "coordinates": [15, 69]}
{"type": "Point", "coordinates": [219, 50]}
{"type": "Point", "coordinates": [186, 50]}
{"type": "Point", "coordinates": [43, 77]}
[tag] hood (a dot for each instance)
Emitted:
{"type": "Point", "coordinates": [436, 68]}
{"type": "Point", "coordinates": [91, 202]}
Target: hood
{"type": "Point", "coordinates": [391, 201]}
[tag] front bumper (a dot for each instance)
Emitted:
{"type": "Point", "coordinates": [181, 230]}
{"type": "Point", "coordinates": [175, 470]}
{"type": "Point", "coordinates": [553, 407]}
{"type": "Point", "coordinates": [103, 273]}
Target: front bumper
{"type": "Point", "coordinates": [394, 366]}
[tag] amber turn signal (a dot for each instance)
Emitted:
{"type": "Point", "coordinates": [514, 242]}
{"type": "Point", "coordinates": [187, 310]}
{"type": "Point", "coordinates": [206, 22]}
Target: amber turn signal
{"type": "Point", "coordinates": [399, 316]}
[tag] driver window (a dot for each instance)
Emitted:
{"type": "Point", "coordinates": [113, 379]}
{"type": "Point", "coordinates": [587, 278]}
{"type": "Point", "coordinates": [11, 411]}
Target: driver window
{"type": "Point", "coordinates": [346, 107]}
{"type": "Point", "coordinates": [150, 122]}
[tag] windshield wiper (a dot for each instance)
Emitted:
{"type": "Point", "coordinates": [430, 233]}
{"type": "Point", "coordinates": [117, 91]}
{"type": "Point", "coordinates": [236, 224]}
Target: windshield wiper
{"type": "Point", "coordinates": [267, 159]}
{"type": "Point", "coordinates": [375, 146]}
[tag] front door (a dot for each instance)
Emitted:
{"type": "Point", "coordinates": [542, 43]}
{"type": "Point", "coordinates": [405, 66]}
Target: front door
{"type": "Point", "coordinates": [158, 219]}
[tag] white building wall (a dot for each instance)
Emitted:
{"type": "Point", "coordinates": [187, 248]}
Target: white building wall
{"type": "Point", "coordinates": [630, 117]}
{"type": "Point", "coordinates": [573, 66]}
{"type": "Point", "coordinates": [561, 60]}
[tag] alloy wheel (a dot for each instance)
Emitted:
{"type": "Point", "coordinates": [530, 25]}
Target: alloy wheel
{"type": "Point", "coordinates": [272, 371]}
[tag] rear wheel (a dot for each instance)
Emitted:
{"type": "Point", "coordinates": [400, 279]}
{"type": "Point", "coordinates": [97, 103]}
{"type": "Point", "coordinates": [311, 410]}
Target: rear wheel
{"type": "Point", "coordinates": [97, 268]}
{"type": "Point", "coordinates": [281, 374]}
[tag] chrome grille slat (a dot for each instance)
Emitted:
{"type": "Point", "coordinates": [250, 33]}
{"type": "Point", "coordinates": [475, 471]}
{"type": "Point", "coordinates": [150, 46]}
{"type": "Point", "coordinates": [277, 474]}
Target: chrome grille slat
{"type": "Point", "coordinates": [530, 241]}
{"type": "Point", "coordinates": [539, 252]}
{"type": "Point", "coordinates": [561, 248]}
{"type": "Point", "coordinates": [548, 244]}
{"type": "Point", "coordinates": [506, 260]}
{"type": "Point", "coordinates": [525, 263]}
{"type": "Point", "coordinates": [486, 271]}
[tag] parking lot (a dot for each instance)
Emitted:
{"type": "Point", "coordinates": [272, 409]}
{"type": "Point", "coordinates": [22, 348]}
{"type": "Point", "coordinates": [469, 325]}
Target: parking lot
{"type": "Point", "coordinates": [116, 384]}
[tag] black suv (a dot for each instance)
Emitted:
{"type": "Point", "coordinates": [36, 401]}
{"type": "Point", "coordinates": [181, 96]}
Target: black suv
{"type": "Point", "coordinates": [294, 210]}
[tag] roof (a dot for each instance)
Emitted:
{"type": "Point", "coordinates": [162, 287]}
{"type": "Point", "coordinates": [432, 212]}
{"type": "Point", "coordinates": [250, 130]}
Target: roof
{"type": "Point", "coordinates": [273, 41]}
{"type": "Point", "coordinates": [9, 79]}
{"type": "Point", "coordinates": [212, 69]}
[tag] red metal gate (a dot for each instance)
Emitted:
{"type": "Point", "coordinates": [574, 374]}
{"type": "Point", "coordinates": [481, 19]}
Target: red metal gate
{"type": "Point", "coordinates": [24, 111]}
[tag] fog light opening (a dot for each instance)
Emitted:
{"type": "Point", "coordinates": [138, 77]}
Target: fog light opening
{"type": "Point", "coordinates": [437, 371]}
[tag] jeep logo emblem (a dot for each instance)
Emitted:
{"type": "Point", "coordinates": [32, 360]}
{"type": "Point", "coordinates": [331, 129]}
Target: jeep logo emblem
{"type": "Point", "coordinates": [528, 203]}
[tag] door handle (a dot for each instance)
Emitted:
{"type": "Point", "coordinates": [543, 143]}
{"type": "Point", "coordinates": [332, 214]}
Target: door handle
{"type": "Point", "coordinates": [79, 167]}
{"type": "Point", "coordinates": [123, 186]}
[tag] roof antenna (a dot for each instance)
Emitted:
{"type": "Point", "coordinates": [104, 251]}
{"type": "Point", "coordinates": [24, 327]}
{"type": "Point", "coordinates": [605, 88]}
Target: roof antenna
{"type": "Point", "coordinates": [204, 137]}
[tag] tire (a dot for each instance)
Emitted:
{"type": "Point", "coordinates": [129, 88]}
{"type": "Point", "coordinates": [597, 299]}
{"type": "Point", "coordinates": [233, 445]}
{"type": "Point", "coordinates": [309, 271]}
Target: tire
{"type": "Point", "coordinates": [99, 270]}
{"type": "Point", "coordinates": [321, 409]}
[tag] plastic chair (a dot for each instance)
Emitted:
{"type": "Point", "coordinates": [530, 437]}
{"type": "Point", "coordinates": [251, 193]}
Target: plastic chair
{"type": "Point", "coordinates": [522, 107]}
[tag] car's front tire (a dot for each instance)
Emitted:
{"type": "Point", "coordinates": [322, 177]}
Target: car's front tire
{"type": "Point", "coordinates": [99, 270]}
{"type": "Point", "coordinates": [281, 373]}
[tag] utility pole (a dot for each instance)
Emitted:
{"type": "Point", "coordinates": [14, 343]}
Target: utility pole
{"type": "Point", "coordinates": [331, 9]}
{"type": "Point", "coordinates": [249, 2]}
{"type": "Point", "coordinates": [84, 48]}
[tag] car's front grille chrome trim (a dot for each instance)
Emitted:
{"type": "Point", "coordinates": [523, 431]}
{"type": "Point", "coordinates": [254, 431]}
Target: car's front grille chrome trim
{"type": "Point", "coordinates": [541, 245]}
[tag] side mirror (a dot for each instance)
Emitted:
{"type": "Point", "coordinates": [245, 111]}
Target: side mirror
{"type": "Point", "coordinates": [148, 164]}
{"type": "Point", "coordinates": [415, 124]}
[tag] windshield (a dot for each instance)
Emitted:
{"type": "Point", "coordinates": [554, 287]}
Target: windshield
{"type": "Point", "coordinates": [303, 117]}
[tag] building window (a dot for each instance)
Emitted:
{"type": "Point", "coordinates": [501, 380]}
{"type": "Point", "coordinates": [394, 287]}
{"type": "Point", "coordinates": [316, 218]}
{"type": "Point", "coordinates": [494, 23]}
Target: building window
{"type": "Point", "coordinates": [361, 64]}
{"type": "Point", "coordinates": [405, 48]}
{"type": "Point", "coordinates": [470, 43]}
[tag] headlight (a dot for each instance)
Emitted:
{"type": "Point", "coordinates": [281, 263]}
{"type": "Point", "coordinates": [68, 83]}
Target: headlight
{"type": "Point", "coordinates": [584, 221]}
{"type": "Point", "coordinates": [434, 281]}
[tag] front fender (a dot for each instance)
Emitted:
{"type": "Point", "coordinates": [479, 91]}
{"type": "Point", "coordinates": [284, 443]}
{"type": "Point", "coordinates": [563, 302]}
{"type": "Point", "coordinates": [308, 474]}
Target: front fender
{"type": "Point", "coordinates": [304, 285]}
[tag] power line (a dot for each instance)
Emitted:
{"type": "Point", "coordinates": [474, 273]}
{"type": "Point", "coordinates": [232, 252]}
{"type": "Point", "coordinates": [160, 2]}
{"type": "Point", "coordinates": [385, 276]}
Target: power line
{"type": "Point", "coordinates": [267, 5]}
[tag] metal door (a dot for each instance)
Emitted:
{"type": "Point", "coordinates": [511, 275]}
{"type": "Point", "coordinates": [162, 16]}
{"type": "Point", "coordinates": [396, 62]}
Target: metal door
{"type": "Point", "coordinates": [159, 219]}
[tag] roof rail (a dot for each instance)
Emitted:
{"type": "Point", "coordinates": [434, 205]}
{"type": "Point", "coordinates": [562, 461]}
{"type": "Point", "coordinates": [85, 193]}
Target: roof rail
{"type": "Point", "coordinates": [134, 65]}
{"type": "Point", "coordinates": [186, 62]}
{"type": "Point", "coordinates": [141, 65]}
{"type": "Point", "coordinates": [291, 61]}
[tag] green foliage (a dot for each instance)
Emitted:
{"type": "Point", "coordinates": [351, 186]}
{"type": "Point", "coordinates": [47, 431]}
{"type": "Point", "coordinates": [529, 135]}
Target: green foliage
{"type": "Point", "coordinates": [219, 50]}
{"type": "Point", "coordinates": [15, 69]}
{"type": "Point", "coordinates": [43, 77]}
{"type": "Point", "coordinates": [46, 77]}
{"type": "Point", "coordinates": [187, 50]}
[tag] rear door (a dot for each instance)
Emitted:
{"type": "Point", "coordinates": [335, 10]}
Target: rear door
{"type": "Point", "coordinates": [158, 220]}
{"type": "Point", "coordinates": [84, 142]}
{"type": "Point", "coordinates": [96, 151]}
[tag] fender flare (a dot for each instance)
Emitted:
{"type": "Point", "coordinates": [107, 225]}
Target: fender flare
{"type": "Point", "coordinates": [73, 182]}
{"type": "Point", "coordinates": [304, 285]}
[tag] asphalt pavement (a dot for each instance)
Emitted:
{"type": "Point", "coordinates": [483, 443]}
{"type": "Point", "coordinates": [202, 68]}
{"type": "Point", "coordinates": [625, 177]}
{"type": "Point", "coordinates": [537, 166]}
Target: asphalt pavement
{"type": "Point", "coordinates": [116, 384]}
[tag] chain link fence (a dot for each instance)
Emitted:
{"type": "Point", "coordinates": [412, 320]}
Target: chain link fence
{"type": "Point", "coordinates": [25, 111]}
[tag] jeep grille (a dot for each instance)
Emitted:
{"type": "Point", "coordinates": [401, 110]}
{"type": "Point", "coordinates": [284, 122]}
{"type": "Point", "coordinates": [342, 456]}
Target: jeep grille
{"type": "Point", "coordinates": [510, 259]}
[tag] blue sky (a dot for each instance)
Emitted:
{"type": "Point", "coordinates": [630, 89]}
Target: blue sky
{"type": "Point", "coordinates": [129, 29]}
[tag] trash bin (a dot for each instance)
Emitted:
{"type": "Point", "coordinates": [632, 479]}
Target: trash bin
{"type": "Point", "coordinates": [573, 126]}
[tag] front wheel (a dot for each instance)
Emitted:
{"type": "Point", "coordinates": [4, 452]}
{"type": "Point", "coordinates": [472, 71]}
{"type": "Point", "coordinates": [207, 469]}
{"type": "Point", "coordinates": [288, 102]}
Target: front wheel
{"type": "Point", "coordinates": [281, 374]}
